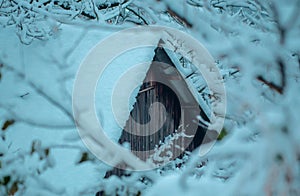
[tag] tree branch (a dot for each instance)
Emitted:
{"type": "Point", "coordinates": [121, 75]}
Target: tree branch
{"type": "Point", "coordinates": [273, 86]}
{"type": "Point", "coordinates": [41, 92]}
{"type": "Point", "coordinates": [179, 18]}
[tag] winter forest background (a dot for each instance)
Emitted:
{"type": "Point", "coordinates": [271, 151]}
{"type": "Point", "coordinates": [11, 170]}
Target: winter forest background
{"type": "Point", "coordinates": [255, 44]}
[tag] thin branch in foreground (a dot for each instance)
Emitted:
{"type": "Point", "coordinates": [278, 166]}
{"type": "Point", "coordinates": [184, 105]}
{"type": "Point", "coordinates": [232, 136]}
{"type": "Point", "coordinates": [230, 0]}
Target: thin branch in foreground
{"type": "Point", "coordinates": [179, 18]}
{"type": "Point", "coordinates": [272, 85]}
{"type": "Point", "coordinates": [18, 119]}
{"type": "Point", "coordinates": [41, 92]}
{"type": "Point", "coordinates": [138, 15]}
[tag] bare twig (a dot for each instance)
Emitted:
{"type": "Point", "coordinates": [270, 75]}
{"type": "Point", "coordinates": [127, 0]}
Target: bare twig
{"type": "Point", "coordinates": [138, 15]}
{"type": "Point", "coordinates": [179, 18]}
{"type": "Point", "coordinates": [273, 86]}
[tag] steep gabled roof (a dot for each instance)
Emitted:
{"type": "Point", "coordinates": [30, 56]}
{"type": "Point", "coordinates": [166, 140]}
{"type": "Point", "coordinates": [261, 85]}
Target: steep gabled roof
{"type": "Point", "coordinates": [167, 84]}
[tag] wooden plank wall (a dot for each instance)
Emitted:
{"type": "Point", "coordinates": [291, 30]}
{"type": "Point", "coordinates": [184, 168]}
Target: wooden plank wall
{"type": "Point", "coordinates": [149, 93]}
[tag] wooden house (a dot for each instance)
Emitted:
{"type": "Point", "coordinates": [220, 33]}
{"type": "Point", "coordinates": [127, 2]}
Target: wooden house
{"type": "Point", "coordinates": [180, 127]}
